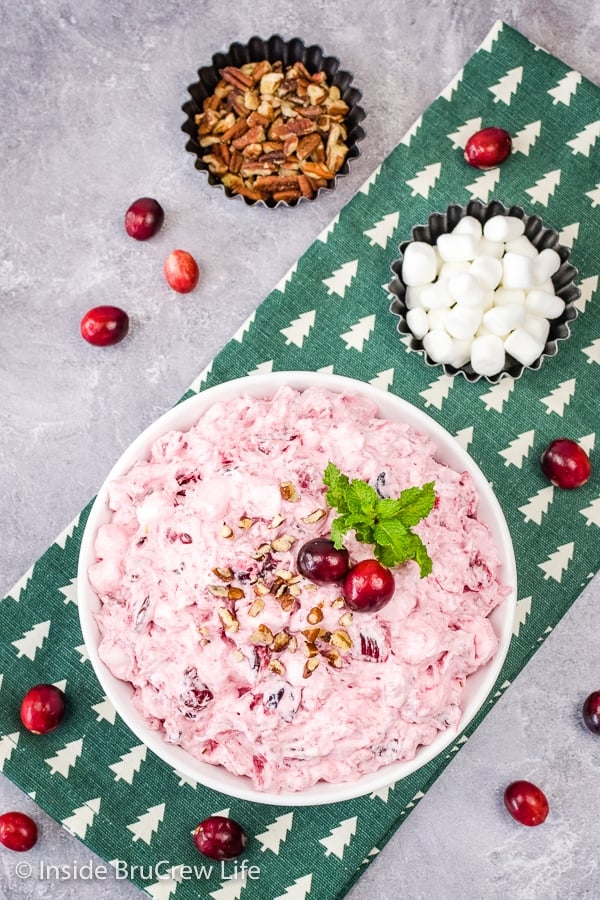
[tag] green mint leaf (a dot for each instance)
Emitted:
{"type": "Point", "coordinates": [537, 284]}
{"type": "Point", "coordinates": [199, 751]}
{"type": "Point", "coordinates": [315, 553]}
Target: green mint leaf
{"type": "Point", "coordinates": [392, 533]}
{"type": "Point", "coordinates": [338, 486]}
{"type": "Point", "coordinates": [416, 503]}
{"type": "Point", "coordinates": [361, 497]}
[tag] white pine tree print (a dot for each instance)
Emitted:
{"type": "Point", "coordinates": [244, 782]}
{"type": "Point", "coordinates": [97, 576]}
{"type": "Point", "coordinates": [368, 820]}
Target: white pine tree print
{"type": "Point", "coordinates": [20, 586]}
{"type": "Point", "coordinates": [594, 196]}
{"type": "Point", "coordinates": [460, 137]}
{"type": "Point", "coordinates": [382, 794]}
{"type": "Point", "coordinates": [62, 761]}
{"type": "Point", "coordinates": [326, 370]}
{"type": "Point", "coordinates": [418, 796]}
{"type": "Point", "coordinates": [424, 180]}
{"type": "Point", "coordinates": [407, 138]}
{"type": "Point", "coordinates": [518, 449]}
{"type": "Point", "coordinates": [465, 437]}
{"type": "Point", "coordinates": [329, 229]}
{"type": "Point", "coordinates": [592, 513]}
{"type": "Point", "coordinates": [105, 711]}
{"type": "Point", "coordinates": [569, 234]}
{"type": "Point", "coordinates": [522, 611]}
{"type": "Point", "coordinates": [452, 85]}
{"type": "Point", "coordinates": [299, 328]}
{"type": "Point", "coordinates": [565, 88]}
{"type": "Point", "coordinates": [383, 380]}
{"type": "Point", "coordinates": [498, 394]}
{"type": "Point", "coordinates": [383, 230]}
{"type": "Point", "coordinates": [161, 890]}
{"type": "Point", "coordinates": [78, 823]}
{"type": "Point", "coordinates": [340, 837]}
{"type": "Point", "coordinates": [230, 890]}
{"type": "Point", "coordinates": [299, 890]}
{"type": "Point", "coordinates": [437, 391]}
{"type": "Point", "coordinates": [492, 36]}
{"type": "Point", "coordinates": [8, 742]}
{"type": "Point", "coordinates": [507, 86]}
{"type": "Point", "coordinates": [83, 654]}
{"type": "Point", "coordinates": [129, 764]}
{"type": "Point", "coordinates": [544, 187]}
{"type": "Point", "coordinates": [32, 640]}
{"type": "Point", "coordinates": [558, 562]}
{"type": "Point", "coordinates": [341, 278]}
{"type": "Point", "coordinates": [525, 139]}
{"type": "Point", "coordinates": [146, 825]}
{"type": "Point", "coordinates": [462, 740]}
{"type": "Point", "coordinates": [588, 442]}
{"type": "Point", "coordinates": [366, 186]}
{"type": "Point", "coordinates": [359, 333]}
{"type": "Point", "coordinates": [69, 591]}
{"type": "Point", "coordinates": [593, 351]}
{"type": "Point", "coordinates": [281, 285]}
{"type": "Point", "coordinates": [587, 287]}
{"type": "Point", "coordinates": [244, 328]}
{"type": "Point", "coordinates": [185, 779]}
{"type": "Point", "coordinates": [538, 505]}
{"type": "Point", "coordinates": [482, 187]}
{"type": "Point", "coordinates": [559, 398]}
{"type": "Point", "coordinates": [262, 368]}
{"type": "Point", "coordinates": [585, 139]}
{"type": "Point", "coordinates": [61, 539]}
{"type": "Point", "coordinates": [370, 855]}
{"type": "Point", "coordinates": [276, 832]}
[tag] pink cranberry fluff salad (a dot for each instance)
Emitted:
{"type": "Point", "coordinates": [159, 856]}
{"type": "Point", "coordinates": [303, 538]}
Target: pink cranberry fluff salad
{"type": "Point", "coordinates": [244, 662]}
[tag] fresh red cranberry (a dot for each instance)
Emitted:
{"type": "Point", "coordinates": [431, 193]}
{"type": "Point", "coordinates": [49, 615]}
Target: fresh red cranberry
{"type": "Point", "coordinates": [368, 586]}
{"type": "Point", "coordinates": [181, 271]}
{"type": "Point", "coordinates": [42, 708]}
{"type": "Point", "coordinates": [487, 148]}
{"type": "Point", "coordinates": [144, 218]}
{"type": "Point", "coordinates": [220, 838]}
{"type": "Point", "coordinates": [104, 325]}
{"type": "Point", "coordinates": [319, 561]}
{"type": "Point", "coordinates": [17, 831]}
{"type": "Point", "coordinates": [526, 803]}
{"type": "Point", "coordinates": [591, 712]}
{"type": "Point", "coordinates": [566, 464]}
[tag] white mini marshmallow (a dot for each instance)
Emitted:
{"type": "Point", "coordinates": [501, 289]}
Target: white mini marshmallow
{"type": "Point", "coordinates": [437, 319]}
{"type": "Point", "coordinates": [547, 285]}
{"type": "Point", "coordinates": [488, 300]}
{"type": "Point", "coordinates": [487, 355]}
{"type": "Point", "coordinates": [491, 248]}
{"type": "Point", "coordinates": [419, 265]}
{"type": "Point", "coordinates": [546, 265]}
{"type": "Point", "coordinates": [517, 271]}
{"type": "Point", "coordinates": [523, 246]}
{"type": "Point", "coordinates": [482, 331]}
{"type": "Point", "coordinates": [537, 326]}
{"type": "Point", "coordinates": [462, 354]}
{"type": "Point", "coordinates": [523, 346]}
{"type": "Point", "coordinates": [501, 320]}
{"type": "Point", "coordinates": [439, 346]}
{"type": "Point", "coordinates": [505, 296]}
{"type": "Point", "coordinates": [412, 297]}
{"type": "Point", "coordinates": [503, 228]}
{"type": "Point", "coordinates": [450, 269]}
{"type": "Point", "coordinates": [418, 322]}
{"type": "Point", "coordinates": [457, 247]}
{"type": "Point", "coordinates": [541, 303]}
{"type": "Point", "coordinates": [468, 225]}
{"type": "Point", "coordinates": [436, 296]}
{"type": "Point", "coordinates": [462, 321]}
{"type": "Point", "coordinates": [466, 290]}
{"type": "Point", "coordinates": [488, 271]}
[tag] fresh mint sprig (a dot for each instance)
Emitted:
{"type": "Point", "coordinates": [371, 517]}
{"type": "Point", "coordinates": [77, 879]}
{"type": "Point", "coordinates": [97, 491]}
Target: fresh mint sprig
{"type": "Point", "coordinates": [384, 522]}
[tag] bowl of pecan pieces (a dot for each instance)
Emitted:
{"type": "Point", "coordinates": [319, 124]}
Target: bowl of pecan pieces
{"type": "Point", "coordinates": [273, 121]}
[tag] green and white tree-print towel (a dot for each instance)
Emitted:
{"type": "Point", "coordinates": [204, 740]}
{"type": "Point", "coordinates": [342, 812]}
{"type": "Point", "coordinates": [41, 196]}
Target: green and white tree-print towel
{"type": "Point", "coordinates": [330, 313]}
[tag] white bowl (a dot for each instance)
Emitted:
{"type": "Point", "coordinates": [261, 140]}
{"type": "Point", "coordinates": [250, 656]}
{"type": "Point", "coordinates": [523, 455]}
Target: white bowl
{"type": "Point", "coordinates": [477, 686]}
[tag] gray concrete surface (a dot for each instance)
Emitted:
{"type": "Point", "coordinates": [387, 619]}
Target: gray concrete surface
{"type": "Point", "coordinates": [90, 96]}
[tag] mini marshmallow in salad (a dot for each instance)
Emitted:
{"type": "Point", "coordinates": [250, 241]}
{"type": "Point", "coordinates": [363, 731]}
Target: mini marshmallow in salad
{"type": "Point", "coordinates": [480, 293]}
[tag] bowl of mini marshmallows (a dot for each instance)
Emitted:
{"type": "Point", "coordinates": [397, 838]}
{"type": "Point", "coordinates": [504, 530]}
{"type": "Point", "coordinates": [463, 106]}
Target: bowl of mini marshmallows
{"type": "Point", "coordinates": [484, 290]}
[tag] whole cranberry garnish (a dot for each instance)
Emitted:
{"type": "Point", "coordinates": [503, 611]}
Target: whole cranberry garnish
{"type": "Point", "coordinates": [591, 712]}
{"type": "Point", "coordinates": [17, 831]}
{"type": "Point", "coordinates": [104, 325]}
{"type": "Point", "coordinates": [566, 464]}
{"type": "Point", "coordinates": [487, 148]}
{"type": "Point", "coordinates": [368, 586]}
{"type": "Point", "coordinates": [181, 271]}
{"type": "Point", "coordinates": [319, 561]}
{"type": "Point", "coordinates": [42, 708]}
{"type": "Point", "coordinates": [526, 803]}
{"type": "Point", "coordinates": [144, 218]}
{"type": "Point", "coordinates": [220, 838]}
